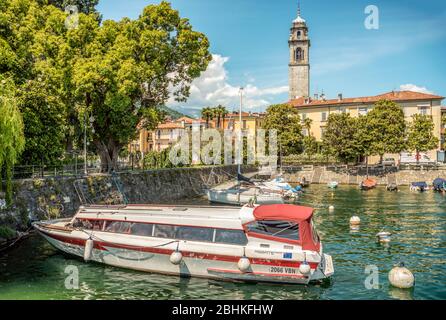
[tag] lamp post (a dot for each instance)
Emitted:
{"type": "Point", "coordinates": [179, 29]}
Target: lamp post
{"type": "Point", "coordinates": [91, 121]}
{"type": "Point", "coordinates": [240, 135]}
{"type": "Point", "coordinates": [85, 142]}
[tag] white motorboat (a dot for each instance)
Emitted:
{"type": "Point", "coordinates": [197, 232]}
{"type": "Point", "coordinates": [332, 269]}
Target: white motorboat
{"type": "Point", "coordinates": [266, 243]}
{"type": "Point", "coordinates": [241, 196]}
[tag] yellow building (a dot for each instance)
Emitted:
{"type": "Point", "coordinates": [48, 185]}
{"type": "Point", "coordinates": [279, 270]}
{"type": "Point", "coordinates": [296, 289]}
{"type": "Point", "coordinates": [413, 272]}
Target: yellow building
{"type": "Point", "coordinates": [319, 109]}
{"type": "Point", "coordinates": [164, 136]}
{"type": "Point", "coordinates": [251, 121]}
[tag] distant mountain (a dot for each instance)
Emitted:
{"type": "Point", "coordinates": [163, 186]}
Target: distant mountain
{"type": "Point", "coordinates": [174, 114]}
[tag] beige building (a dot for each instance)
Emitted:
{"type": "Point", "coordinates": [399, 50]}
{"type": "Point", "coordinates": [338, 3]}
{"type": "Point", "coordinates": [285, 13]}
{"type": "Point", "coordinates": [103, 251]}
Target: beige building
{"type": "Point", "coordinates": [319, 109]}
{"type": "Point", "coordinates": [164, 136]}
{"type": "Point", "coordinates": [251, 121]}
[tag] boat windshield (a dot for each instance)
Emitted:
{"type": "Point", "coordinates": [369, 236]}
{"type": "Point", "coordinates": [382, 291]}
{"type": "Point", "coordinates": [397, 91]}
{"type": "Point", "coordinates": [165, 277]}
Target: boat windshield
{"type": "Point", "coordinates": [279, 229]}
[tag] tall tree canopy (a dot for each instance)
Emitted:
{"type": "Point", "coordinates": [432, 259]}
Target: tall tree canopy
{"type": "Point", "coordinates": [387, 127]}
{"type": "Point", "coordinates": [116, 73]}
{"type": "Point", "coordinates": [420, 137]}
{"type": "Point", "coordinates": [338, 139]}
{"type": "Point", "coordinates": [286, 120]}
{"type": "Point", "coordinates": [11, 133]}
{"type": "Point", "coordinates": [84, 6]}
{"type": "Point", "coordinates": [122, 71]}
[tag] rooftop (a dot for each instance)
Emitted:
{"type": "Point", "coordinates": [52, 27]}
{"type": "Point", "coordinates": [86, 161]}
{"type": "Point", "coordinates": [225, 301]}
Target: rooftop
{"type": "Point", "coordinates": [393, 96]}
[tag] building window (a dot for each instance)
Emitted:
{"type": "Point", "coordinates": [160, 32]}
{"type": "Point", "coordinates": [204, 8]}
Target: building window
{"type": "Point", "coordinates": [299, 54]}
{"type": "Point", "coordinates": [158, 133]}
{"type": "Point", "coordinates": [423, 110]}
{"type": "Point", "coordinates": [323, 116]}
{"type": "Point", "coordinates": [305, 132]}
{"type": "Point", "coordinates": [363, 111]}
{"type": "Point", "coordinates": [304, 116]}
{"type": "Point", "coordinates": [244, 124]}
{"type": "Point", "coordinates": [298, 33]}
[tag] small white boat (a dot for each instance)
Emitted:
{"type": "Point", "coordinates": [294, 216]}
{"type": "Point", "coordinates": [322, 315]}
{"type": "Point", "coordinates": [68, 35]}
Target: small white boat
{"type": "Point", "coordinates": [241, 196]}
{"type": "Point", "coordinates": [333, 184]}
{"type": "Point", "coordinates": [266, 243]}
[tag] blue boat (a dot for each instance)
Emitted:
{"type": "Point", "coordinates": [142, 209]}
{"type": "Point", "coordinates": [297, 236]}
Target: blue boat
{"type": "Point", "coordinates": [439, 185]}
{"type": "Point", "coordinates": [419, 186]}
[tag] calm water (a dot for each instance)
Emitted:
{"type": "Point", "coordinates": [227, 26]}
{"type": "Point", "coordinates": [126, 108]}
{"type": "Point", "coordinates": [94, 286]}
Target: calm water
{"type": "Point", "coordinates": [35, 270]}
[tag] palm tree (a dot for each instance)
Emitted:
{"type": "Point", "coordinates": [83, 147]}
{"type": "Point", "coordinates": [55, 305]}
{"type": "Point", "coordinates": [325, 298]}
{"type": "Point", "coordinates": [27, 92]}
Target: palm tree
{"type": "Point", "coordinates": [208, 114]}
{"type": "Point", "coordinates": [307, 125]}
{"type": "Point", "coordinates": [221, 113]}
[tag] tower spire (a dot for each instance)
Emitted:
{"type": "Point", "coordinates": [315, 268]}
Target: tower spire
{"type": "Point", "coordinates": [298, 8]}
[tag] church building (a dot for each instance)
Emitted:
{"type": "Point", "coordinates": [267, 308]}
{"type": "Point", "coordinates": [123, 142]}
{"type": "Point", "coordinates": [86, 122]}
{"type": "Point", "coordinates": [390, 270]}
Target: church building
{"type": "Point", "coordinates": [318, 107]}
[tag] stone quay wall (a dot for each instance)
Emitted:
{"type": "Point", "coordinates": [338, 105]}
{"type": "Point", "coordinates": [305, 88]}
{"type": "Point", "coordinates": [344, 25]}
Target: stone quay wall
{"type": "Point", "coordinates": [353, 176]}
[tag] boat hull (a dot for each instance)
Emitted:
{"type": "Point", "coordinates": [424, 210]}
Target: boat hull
{"type": "Point", "coordinates": [154, 257]}
{"type": "Point", "coordinates": [240, 198]}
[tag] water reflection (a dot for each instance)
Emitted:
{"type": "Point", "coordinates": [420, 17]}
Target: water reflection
{"type": "Point", "coordinates": [417, 222]}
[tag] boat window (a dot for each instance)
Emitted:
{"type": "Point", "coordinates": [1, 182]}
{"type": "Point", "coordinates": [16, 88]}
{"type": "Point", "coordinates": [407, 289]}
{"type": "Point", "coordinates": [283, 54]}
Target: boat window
{"type": "Point", "coordinates": [97, 224]}
{"type": "Point", "coordinates": [141, 229]}
{"type": "Point", "coordinates": [88, 224]}
{"type": "Point", "coordinates": [165, 231]}
{"type": "Point", "coordinates": [118, 226]}
{"type": "Point", "coordinates": [280, 229]}
{"type": "Point", "coordinates": [230, 237]}
{"type": "Point", "coordinates": [195, 233]}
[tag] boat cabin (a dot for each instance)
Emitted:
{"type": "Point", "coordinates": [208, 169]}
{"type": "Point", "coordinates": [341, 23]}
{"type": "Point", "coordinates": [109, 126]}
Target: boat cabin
{"type": "Point", "coordinates": [286, 224]}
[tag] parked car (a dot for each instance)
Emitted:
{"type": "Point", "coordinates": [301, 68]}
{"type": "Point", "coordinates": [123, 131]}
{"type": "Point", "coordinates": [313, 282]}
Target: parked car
{"type": "Point", "coordinates": [388, 162]}
{"type": "Point", "coordinates": [406, 157]}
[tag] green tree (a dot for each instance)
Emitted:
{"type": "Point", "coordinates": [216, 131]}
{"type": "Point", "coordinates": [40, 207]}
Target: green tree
{"type": "Point", "coordinates": [44, 125]}
{"type": "Point", "coordinates": [420, 136]}
{"type": "Point", "coordinates": [34, 35]}
{"type": "Point", "coordinates": [363, 139]}
{"type": "Point", "coordinates": [286, 120]}
{"type": "Point", "coordinates": [11, 134]}
{"type": "Point", "coordinates": [311, 145]}
{"type": "Point", "coordinates": [387, 127]}
{"type": "Point", "coordinates": [84, 6]}
{"type": "Point", "coordinates": [338, 139]}
{"type": "Point", "coordinates": [124, 70]}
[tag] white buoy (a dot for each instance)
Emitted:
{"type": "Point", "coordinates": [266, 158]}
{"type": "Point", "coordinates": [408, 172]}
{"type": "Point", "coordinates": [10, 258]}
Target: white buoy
{"type": "Point", "coordinates": [176, 257]}
{"type": "Point", "coordinates": [244, 264]}
{"type": "Point", "coordinates": [401, 277]}
{"type": "Point", "coordinates": [331, 208]}
{"type": "Point", "coordinates": [304, 268]}
{"type": "Point", "coordinates": [383, 236]}
{"type": "Point", "coordinates": [355, 220]}
{"type": "Point", "coordinates": [88, 250]}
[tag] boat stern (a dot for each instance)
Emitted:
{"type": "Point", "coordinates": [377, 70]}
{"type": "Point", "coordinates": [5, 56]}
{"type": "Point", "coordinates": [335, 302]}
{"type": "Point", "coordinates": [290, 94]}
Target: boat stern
{"type": "Point", "coordinates": [324, 270]}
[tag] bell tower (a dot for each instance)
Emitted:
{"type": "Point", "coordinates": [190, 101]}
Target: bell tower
{"type": "Point", "coordinates": [299, 66]}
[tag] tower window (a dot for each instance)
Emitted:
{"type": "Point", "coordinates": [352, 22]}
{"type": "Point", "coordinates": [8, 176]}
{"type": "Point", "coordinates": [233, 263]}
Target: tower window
{"type": "Point", "coordinates": [299, 54]}
{"type": "Point", "coordinates": [298, 34]}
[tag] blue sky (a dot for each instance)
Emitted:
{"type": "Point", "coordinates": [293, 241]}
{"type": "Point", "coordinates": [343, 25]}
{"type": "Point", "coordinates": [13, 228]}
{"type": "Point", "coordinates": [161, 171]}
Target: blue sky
{"type": "Point", "coordinates": [249, 43]}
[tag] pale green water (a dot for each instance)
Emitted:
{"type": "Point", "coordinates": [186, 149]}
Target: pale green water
{"type": "Point", "coordinates": [35, 270]}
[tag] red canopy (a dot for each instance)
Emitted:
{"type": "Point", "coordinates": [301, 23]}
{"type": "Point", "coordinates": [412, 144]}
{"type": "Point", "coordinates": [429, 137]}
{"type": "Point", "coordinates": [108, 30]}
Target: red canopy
{"type": "Point", "coordinates": [292, 213]}
{"type": "Point", "coordinates": [285, 212]}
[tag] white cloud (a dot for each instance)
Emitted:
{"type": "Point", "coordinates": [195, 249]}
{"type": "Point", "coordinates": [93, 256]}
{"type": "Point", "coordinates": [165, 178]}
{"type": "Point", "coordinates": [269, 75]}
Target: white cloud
{"type": "Point", "coordinates": [212, 88]}
{"type": "Point", "coordinates": [415, 88]}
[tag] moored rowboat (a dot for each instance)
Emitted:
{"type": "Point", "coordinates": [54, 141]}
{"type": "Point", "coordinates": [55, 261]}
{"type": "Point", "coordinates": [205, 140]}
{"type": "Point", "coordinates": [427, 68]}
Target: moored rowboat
{"type": "Point", "coordinates": [368, 184]}
{"type": "Point", "coordinates": [267, 243]}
